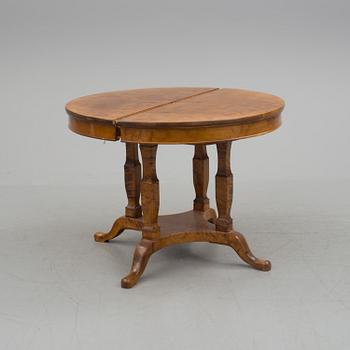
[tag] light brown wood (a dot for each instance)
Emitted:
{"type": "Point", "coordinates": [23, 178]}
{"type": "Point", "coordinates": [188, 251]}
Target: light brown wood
{"type": "Point", "coordinates": [200, 225]}
{"type": "Point", "coordinates": [115, 105]}
{"type": "Point", "coordinates": [149, 192]}
{"type": "Point", "coordinates": [216, 107]}
{"type": "Point", "coordinates": [197, 116]}
{"type": "Point", "coordinates": [143, 252]}
{"type": "Point", "coordinates": [118, 227]}
{"type": "Point", "coordinates": [191, 226]}
{"type": "Point", "coordinates": [98, 129]}
{"type": "Point", "coordinates": [224, 187]}
{"type": "Point", "coordinates": [199, 135]}
{"type": "Point", "coordinates": [200, 177]}
{"type": "Point", "coordinates": [132, 176]}
{"type": "Point", "coordinates": [175, 115]}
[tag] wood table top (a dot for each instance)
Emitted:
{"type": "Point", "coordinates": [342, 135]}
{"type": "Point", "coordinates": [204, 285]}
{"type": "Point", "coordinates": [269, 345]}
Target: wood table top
{"type": "Point", "coordinates": [175, 115]}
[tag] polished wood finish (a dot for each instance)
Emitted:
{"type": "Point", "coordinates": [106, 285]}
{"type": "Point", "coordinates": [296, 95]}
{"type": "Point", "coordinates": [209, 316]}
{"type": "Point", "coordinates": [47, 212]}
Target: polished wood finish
{"type": "Point", "coordinates": [215, 107]}
{"type": "Point", "coordinates": [175, 115]}
{"type": "Point", "coordinates": [191, 226]}
{"type": "Point", "coordinates": [132, 176]}
{"type": "Point", "coordinates": [97, 115]}
{"type": "Point", "coordinates": [224, 187]}
{"type": "Point", "coordinates": [143, 252]}
{"type": "Point", "coordinates": [200, 177]}
{"type": "Point", "coordinates": [116, 105]}
{"type": "Point", "coordinates": [198, 116]}
{"type": "Point", "coordinates": [149, 192]}
{"type": "Point", "coordinates": [98, 129]}
{"type": "Point", "coordinates": [118, 227]}
{"type": "Point", "coordinates": [199, 135]}
{"type": "Point", "coordinates": [202, 224]}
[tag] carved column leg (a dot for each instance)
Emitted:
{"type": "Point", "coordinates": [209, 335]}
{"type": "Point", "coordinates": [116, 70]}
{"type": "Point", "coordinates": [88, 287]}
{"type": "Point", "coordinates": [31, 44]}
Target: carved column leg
{"type": "Point", "coordinates": [200, 177]}
{"type": "Point", "coordinates": [224, 187]}
{"type": "Point", "coordinates": [149, 192]}
{"type": "Point", "coordinates": [150, 208]}
{"type": "Point", "coordinates": [132, 175]}
{"type": "Point", "coordinates": [224, 192]}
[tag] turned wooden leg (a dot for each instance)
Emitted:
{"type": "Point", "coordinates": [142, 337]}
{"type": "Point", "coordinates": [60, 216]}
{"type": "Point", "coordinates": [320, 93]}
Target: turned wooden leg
{"type": "Point", "coordinates": [150, 208]}
{"type": "Point", "coordinates": [142, 254]}
{"type": "Point", "coordinates": [224, 187]}
{"type": "Point", "coordinates": [149, 192]}
{"type": "Point", "coordinates": [132, 175]}
{"type": "Point", "coordinates": [200, 177]}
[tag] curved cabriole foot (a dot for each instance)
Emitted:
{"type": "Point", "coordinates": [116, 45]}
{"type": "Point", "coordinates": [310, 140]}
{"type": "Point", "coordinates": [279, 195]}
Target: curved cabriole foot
{"type": "Point", "coordinates": [232, 239]}
{"type": "Point", "coordinates": [192, 226]}
{"type": "Point", "coordinates": [240, 245]}
{"type": "Point", "coordinates": [118, 227]}
{"type": "Point", "coordinates": [142, 254]}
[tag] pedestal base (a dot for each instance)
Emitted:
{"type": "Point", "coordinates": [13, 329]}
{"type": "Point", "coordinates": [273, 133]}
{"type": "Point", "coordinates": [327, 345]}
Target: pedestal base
{"type": "Point", "coordinates": [187, 227]}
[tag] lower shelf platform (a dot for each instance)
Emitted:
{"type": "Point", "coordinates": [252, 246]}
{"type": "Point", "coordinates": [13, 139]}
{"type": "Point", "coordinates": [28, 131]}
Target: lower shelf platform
{"type": "Point", "coordinates": [189, 221]}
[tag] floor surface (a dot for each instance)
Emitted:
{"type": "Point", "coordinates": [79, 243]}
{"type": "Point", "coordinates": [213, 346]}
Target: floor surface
{"type": "Point", "coordinates": [61, 290]}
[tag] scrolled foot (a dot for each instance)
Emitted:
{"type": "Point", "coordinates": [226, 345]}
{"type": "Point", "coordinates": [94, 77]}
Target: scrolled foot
{"type": "Point", "coordinates": [142, 254]}
{"type": "Point", "coordinates": [240, 245]}
{"type": "Point", "coordinates": [102, 237]}
{"type": "Point", "coordinates": [118, 227]}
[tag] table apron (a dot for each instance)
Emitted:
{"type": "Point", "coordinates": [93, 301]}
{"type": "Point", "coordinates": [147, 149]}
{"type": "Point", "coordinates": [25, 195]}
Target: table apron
{"type": "Point", "coordinates": [197, 135]}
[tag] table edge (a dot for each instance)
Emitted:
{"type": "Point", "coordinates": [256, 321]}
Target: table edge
{"type": "Point", "coordinates": [92, 127]}
{"type": "Point", "coordinates": [111, 131]}
{"type": "Point", "coordinates": [200, 135]}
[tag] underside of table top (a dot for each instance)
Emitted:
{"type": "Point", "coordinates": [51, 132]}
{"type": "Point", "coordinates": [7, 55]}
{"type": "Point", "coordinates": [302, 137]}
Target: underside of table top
{"type": "Point", "coordinates": [175, 115]}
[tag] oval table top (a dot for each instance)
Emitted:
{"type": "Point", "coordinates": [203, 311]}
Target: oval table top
{"type": "Point", "coordinates": [175, 115]}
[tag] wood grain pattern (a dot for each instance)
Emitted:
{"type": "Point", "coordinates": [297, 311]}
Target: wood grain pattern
{"type": "Point", "coordinates": [224, 187]}
{"type": "Point", "coordinates": [149, 192]}
{"type": "Point", "coordinates": [98, 129]}
{"type": "Point", "coordinates": [218, 107]}
{"type": "Point", "coordinates": [191, 226]}
{"type": "Point", "coordinates": [197, 116]}
{"type": "Point", "coordinates": [199, 135]}
{"type": "Point", "coordinates": [118, 227]}
{"type": "Point", "coordinates": [143, 252]}
{"type": "Point", "coordinates": [175, 115]}
{"type": "Point", "coordinates": [201, 177]}
{"type": "Point", "coordinates": [112, 106]}
{"type": "Point", "coordinates": [132, 178]}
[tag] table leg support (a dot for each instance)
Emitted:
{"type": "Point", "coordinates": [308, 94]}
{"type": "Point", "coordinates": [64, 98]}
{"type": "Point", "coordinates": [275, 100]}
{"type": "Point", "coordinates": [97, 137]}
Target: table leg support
{"type": "Point", "coordinates": [150, 209]}
{"type": "Point", "coordinates": [149, 192]}
{"type": "Point", "coordinates": [199, 225]}
{"type": "Point", "coordinates": [142, 253]}
{"type": "Point", "coordinates": [132, 176]}
{"type": "Point", "coordinates": [224, 195]}
{"type": "Point", "coordinates": [240, 245]}
{"type": "Point", "coordinates": [224, 187]}
{"type": "Point", "coordinates": [200, 177]}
